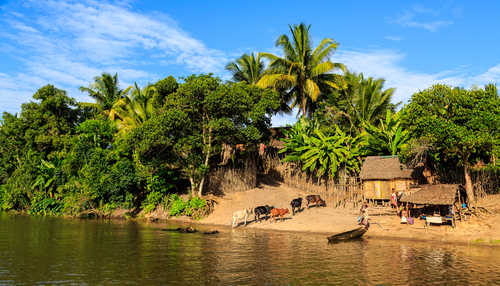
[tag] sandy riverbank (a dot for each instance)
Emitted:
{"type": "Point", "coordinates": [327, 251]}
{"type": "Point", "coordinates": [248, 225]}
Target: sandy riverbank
{"type": "Point", "coordinates": [327, 220]}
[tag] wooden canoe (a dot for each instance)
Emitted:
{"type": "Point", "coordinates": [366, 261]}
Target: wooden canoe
{"type": "Point", "coordinates": [351, 234]}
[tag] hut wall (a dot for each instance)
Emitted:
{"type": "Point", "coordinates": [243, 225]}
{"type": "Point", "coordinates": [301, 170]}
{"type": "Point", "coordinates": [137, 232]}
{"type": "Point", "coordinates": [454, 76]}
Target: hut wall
{"type": "Point", "coordinates": [377, 190]}
{"type": "Point", "coordinates": [382, 189]}
{"type": "Point", "coordinates": [401, 185]}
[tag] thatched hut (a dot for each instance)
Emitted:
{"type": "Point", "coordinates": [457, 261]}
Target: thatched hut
{"type": "Point", "coordinates": [380, 174]}
{"type": "Point", "coordinates": [442, 194]}
{"type": "Point", "coordinates": [437, 200]}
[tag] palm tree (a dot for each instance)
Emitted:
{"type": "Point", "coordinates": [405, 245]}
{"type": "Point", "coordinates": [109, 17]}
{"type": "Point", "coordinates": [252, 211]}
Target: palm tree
{"type": "Point", "coordinates": [363, 100]}
{"type": "Point", "coordinates": [247, 68]}
{"type": "Point", "coordinates": [135, 107]}
{"type": "Point", "coordinates": [306, 74]}
{"type": "Point", "coordinates": [372, 102]}
{"type": "Point", "coordinates": [105, 91]}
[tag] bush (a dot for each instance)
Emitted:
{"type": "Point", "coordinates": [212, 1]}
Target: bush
{"type": "Point", "coordinates": [43, 205]}
{"type": "Point", "coordinates": [177, 206]}
{"type": "Point", "coordinates": [152, 200]}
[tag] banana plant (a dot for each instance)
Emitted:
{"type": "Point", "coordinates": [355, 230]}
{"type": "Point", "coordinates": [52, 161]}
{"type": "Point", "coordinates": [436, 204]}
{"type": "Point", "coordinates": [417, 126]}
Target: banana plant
{"type": "Point", "coordinates": [45, 182]}
{"type": "Point", "coordinates": [389, 138]}
{"type": "Point", "coordinates": [323, 154]}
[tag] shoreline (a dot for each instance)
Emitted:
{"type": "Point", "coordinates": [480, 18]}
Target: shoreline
{"type": "Point", "coordinates": [483, 231]}
{"type": "Point", "coordinates": [328, 221]}
{"type": "Point", "coordinates": [430, 237]}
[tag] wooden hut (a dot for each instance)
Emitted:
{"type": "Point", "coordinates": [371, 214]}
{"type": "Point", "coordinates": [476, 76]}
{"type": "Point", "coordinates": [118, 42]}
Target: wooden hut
{"type": "Point", "coordinates": [380, 174]}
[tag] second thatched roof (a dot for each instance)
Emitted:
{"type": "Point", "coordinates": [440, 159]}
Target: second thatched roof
{"type": "Point", "coordinates": [384, 168]}
{"type": "Point", "coordinates": [443, 194]}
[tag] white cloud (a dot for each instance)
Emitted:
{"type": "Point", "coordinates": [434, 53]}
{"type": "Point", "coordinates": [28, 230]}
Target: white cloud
{"type": "Point", "coordinates": [387, 64]}
{"type": "Point", "coordinates": [68, 43]}
{"type": "Point", "coordinates": [393, 38]}
{"type": "Point", "coordinates": [280, 120]}
{"type": "Point", "coordinates": [409, 19]}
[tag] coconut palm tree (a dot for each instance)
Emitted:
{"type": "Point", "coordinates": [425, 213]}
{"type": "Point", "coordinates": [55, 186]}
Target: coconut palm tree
{"type": "Point", "coordinates": [105, 91]}
{"type": "Point", "coordinates": [247, 68]}
{"type": "Point", "coordinates": [135, 107]}
{"type": "Point", "coordinates": [305, 73]}
{"type": "Point", "coordinates": [363, 100]}
{"type": "Point", "coordinates": [371, 101]}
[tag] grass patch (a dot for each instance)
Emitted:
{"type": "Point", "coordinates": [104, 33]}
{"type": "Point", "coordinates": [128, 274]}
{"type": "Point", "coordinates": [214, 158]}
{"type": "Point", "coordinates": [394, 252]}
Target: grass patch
{"type": "Point", "coordinates": [478, 240]}
{"type": "Point", "coordinates": [495, 241]}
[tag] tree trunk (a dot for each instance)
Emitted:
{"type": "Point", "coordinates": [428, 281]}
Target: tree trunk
{"type": "Point", "coordinates": [207, 157]}
{"type": "Point", "coordinates": [304, 104]}
{"type": "Point", "coordinates": [468, 186]}
{"type": "Point", "coordinates": [193, 186]}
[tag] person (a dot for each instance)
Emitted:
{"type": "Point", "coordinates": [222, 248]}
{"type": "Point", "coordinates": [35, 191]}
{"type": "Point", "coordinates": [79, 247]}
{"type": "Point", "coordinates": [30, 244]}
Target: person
{"type": "Point", "coordinates": [400, 210]}
{"type": "Point", "coordinates": [394, 199]}
{"type": "Point", "coordinates": [409, 218]}
{"type": "Point", "coordinates": [363, 216]}
{"type": "Point", "coordinates": [404, 215]}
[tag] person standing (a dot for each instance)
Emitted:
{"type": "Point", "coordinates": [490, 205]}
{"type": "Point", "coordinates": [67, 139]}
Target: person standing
{"type": "Point", "coordinates": [394, 199]}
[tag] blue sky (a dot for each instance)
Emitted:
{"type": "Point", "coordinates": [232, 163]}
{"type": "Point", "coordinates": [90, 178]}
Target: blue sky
{"type": "Point", "coordinates": [411, 44]}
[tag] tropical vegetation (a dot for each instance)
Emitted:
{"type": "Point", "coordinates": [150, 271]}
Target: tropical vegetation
{"type": "Point", "coordinates": [142, 148]}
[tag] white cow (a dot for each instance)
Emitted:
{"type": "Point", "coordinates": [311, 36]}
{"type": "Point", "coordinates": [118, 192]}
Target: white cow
{"type": "Point", "coordinates": [241, 214]}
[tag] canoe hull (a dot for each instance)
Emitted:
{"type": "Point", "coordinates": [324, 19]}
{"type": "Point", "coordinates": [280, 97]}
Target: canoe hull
{"type": "Point", "coordinates": [351, 234]}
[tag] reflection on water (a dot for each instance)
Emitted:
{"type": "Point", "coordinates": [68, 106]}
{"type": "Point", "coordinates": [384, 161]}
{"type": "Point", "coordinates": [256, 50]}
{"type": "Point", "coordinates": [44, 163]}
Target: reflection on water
{"type": "Point", "coordinates": [52, 250]}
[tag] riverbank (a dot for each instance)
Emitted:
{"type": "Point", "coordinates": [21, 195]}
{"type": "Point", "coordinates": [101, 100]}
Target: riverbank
{"type": "Point", "coordinates": [479, 231]}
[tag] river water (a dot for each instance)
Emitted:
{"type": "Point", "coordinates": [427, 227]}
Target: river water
{"type": "Point", "coordinates": [48, 251]}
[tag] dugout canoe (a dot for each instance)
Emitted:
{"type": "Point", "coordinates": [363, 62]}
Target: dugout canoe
{"type": "Point", "coordinates": [351, 234]}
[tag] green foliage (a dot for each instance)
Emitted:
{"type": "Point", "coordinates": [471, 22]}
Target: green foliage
{"type": "Point", "coordinates": [158, 187]}
{"type": "Point", "coordinates": [152, 200]}
{"type": "Point", "coordinates": [322, 154]}
{"type": "Point", "coordinates": [43, 205]}
{"type": "Point", "coordinates": [388, 139]}
{"type": "Point", "coordinates": [138, 147]}
{"type": "Point", "coordinates": [460, 125]}
{"type": "Point", "coordinates": [303, 75]}
{"type": "Point", "coordinates": [135, 107]}
{"type": "Point", "coordinates": [201, 116]}
{"type": "Point", "coordinates": [166, 87]}
{"type": "Point", "coordinates": [247, 68]}
{"type": "Point", "coordinates": [177, 206]}
{"type": "Point", "coordinates": [105, 91]}
{"type": "Point", "coordinates": [362, 101]}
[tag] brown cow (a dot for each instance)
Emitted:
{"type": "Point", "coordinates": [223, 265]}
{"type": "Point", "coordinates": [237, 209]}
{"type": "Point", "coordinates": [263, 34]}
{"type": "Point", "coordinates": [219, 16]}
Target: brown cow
{"type": "Point", "coordinates": [278, 213]}
{"type": "Point", "coordinates": [316, 200]}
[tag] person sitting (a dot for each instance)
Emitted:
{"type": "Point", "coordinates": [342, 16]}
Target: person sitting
{"type": "Point", "coordinates": [363, 217]}
{"type": "Point", "coordinates": [404, 215]}
{"type": "Point", "coordinates": [363, 211]}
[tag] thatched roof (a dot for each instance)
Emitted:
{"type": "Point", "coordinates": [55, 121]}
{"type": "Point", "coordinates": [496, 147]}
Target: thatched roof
{"type": "Point", "coordinates": [444, 194]}
{"type": "Point", "coordinates": [384, 168]}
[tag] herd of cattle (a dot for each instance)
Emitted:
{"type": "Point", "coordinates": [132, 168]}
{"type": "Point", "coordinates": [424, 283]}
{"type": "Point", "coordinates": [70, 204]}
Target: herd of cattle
{"type": "Point", "coordinates": [266, 211]}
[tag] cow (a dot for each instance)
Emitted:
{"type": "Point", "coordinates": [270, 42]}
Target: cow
{"type": "Point", "coordinates": [262, 211]}
{"type": "Point", "coordinates": [316, 200]}
{"type": "Point", "coordinates": [296, 204]}
{"type": "Point", "coordinates": [275, 213]}
{"type": "Point", "coordinates": [241, 214]}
